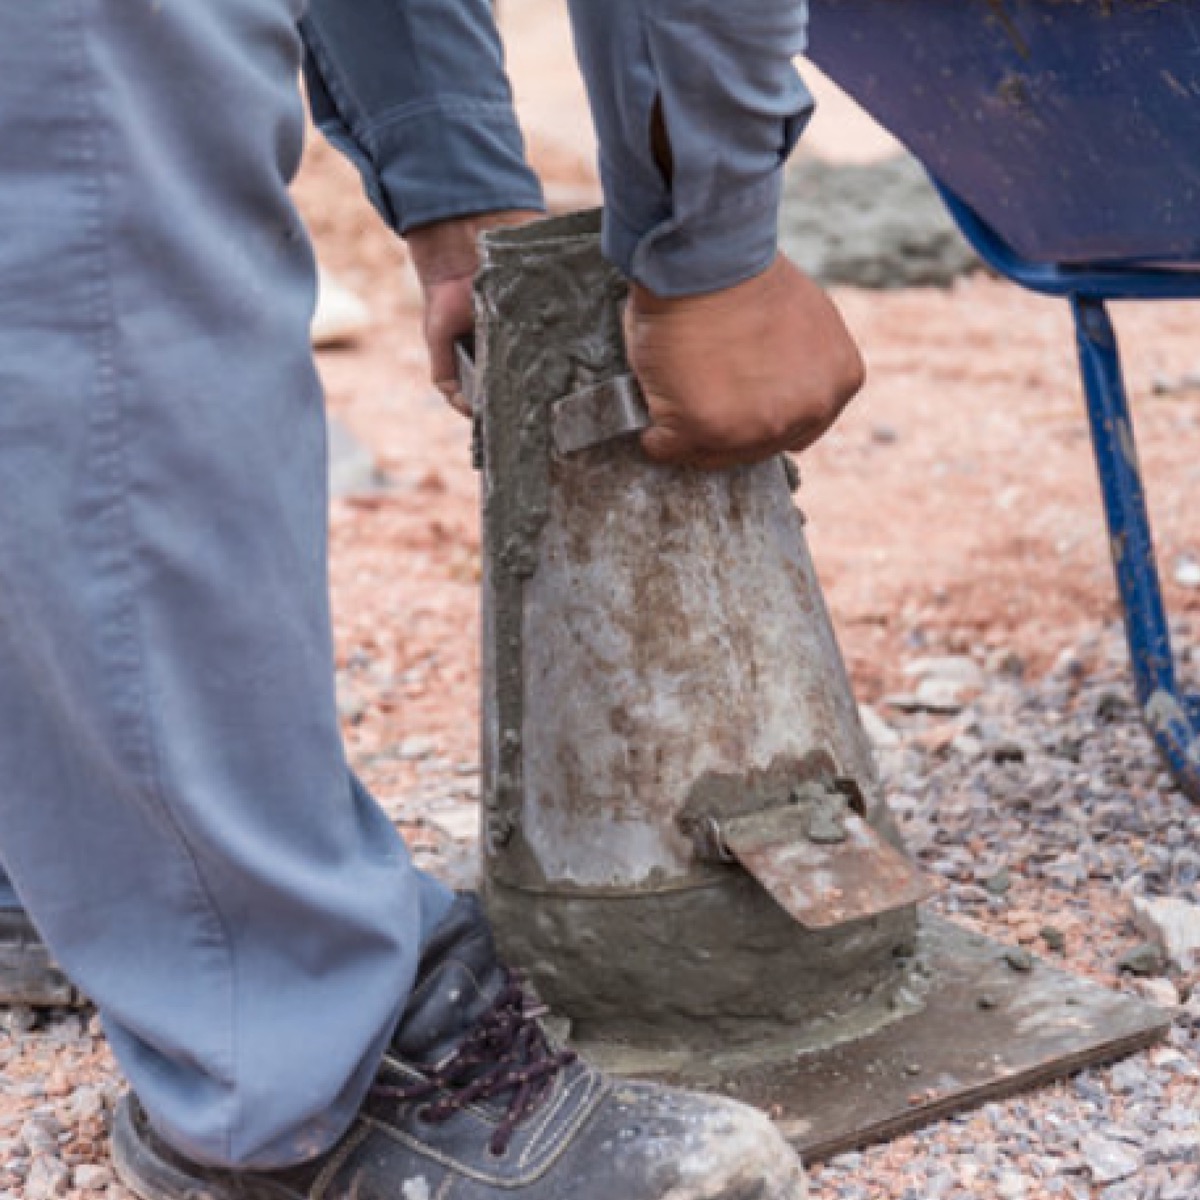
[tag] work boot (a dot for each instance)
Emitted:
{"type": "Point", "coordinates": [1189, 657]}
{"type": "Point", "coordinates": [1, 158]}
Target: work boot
{"type": "Point", "coordinates": [475, 1102]}
{"type": "Point", "coordinates": [29, 977]}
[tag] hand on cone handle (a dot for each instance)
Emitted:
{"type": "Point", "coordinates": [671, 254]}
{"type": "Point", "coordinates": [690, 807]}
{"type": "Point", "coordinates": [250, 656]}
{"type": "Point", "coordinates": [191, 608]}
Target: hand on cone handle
{"type": "Point", "coordinates": [738, 375]}
{"type": "Point", "coordinates": [445, 255]}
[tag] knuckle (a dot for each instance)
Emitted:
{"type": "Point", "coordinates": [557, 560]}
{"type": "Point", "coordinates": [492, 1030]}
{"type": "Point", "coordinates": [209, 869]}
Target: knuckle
{"type": "Point", "coordinates": [854, 375]}
{"type": "Point", "coordinates": [779, 425]}
{"type": "Point", "coordinates": [663, 448]}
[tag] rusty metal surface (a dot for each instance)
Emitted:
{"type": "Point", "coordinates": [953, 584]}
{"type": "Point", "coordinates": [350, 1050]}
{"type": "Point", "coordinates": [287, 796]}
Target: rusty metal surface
{"type": "Point", "coordinates": [599, 413]}
{"type": "Point", "coordinates": [647, 625]}
{"type": "Point", "coordinates": [847, 875]}
{"type": "Point", "coordinates": [987, 1031]}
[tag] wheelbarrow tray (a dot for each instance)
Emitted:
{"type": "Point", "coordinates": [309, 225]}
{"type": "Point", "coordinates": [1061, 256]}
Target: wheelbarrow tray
{"type": "Point", "coordinates": [1072, 127]}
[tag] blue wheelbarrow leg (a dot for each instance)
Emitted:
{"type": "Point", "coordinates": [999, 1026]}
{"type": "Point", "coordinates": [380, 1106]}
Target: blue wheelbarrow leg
{"type": "Point", "coordinates": [1171, 717]}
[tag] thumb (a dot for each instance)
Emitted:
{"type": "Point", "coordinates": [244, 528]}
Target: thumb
{"type": "Point", "coordinates": [663, 444]}
{"type": "Point", "coordinates": [449, 314]}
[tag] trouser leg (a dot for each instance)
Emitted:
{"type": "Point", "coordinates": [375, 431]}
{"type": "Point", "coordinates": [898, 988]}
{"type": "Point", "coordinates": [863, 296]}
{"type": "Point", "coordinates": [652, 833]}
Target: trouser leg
{"type": "Point", "coordinates": [175, 807]}
{"type": "Point", "coordinates": [8, 896]}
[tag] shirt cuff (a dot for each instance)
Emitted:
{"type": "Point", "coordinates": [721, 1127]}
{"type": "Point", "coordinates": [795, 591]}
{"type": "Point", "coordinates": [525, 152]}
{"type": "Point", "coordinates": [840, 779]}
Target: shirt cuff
{"type": "Point", "coordinates": [422, 158]}
{"type": "Point", "coordinates": [451, 160]}
{"type": "Point", "coordinates": [718, 77]}
{"type": "Point", "coordinates": [705, 253]}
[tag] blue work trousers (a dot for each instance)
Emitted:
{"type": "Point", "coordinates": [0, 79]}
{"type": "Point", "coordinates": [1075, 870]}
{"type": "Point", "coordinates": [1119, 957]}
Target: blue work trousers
{"type": "Point", "coordinates": [176, 810]}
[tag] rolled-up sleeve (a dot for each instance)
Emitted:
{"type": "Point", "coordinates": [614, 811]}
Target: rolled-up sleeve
{"type": "Point", "coordinates": [733, 108]}
{"type": "Point", "coordinates": [415, 93]}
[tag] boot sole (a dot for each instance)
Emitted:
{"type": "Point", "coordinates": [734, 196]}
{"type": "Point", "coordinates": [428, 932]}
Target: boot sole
{"type": "Point", "coordinates": [144, 1172]}
{"type": "Point", "coordinates": [29, 977]}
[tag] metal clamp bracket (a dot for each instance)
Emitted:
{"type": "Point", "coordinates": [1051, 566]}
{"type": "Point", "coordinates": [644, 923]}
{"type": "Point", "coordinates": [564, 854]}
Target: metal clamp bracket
{"type": "Point", "coordinates": [816, 855]}
{"type": "Point", "coordinates": [597, 414]}
{"type": "Point", "coordinates": [580, 420]}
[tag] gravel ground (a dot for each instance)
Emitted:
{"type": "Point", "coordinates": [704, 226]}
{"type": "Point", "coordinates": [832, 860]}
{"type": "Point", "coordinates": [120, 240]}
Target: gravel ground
{"type": "Point", "coordinates": [1042, 808]}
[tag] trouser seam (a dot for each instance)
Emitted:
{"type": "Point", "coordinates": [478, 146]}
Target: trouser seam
{"type": "Point", "coordinates": [127, 655]}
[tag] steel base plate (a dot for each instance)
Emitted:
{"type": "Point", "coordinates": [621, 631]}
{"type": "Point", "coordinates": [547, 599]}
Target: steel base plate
{"type": "Point", "coordinates": [986, 1031]}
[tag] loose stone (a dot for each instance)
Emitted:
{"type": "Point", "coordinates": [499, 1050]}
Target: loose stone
{"type": "Point", "coordinates": [1054, 938]}
{"type": "Point", "coordinates": [48, 1177]}
{"type": "Point", "coordinates": [1173, 924]}
{"type": "Point", "coordinates": [1108, 1160]}
{"type": "Point", "coordinates": [1146, 959]}
{"type": "Point", "coordinates": [1019, 959]}
{"type": "Point", "coordinates": [90, 1177]}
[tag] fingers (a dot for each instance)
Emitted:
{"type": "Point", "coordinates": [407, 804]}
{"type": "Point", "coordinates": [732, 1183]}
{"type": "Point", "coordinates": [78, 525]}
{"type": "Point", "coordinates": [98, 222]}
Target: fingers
{"type": "Point", "coordinates": [449, 316]}
{"type": "Point", "coordinates": [445, 255]}
{"type": "Point", "coordinates": [453, 395]}
{"type": "Point", "coordinates": [725, 436]}
{"type": "Point", "coordinates": [443, 370]}
{"type": "Point", "coordinates": [669, 449]}
{"type": "Point", "coordinates": [664, 445]}
{"type": "Point", "coordinates": [674, 440]}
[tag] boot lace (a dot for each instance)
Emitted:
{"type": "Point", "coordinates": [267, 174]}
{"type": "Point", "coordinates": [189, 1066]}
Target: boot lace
{"type": "Point", "coordinates": [505, 1052]}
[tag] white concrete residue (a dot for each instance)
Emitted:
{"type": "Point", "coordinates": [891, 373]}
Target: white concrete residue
{"type": "Point", "coordinates": [1128, 445]}
{"type": "Point", "coordinates": [1172, 923]}
{"type": "Point", "coordinates": [1162, 709]}
{"type": "Point", "coordinates": [602, 849]}
{"type": "Point", "coordinates": [416, 1189]}
{"type": "Point", "coordinates": [742, 1154]}
{"type": "Point", "coordinates": [1187, 571]}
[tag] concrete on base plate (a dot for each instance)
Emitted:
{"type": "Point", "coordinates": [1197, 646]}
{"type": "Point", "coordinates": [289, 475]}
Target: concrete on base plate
{"type": "Point", "coordinates": [994, 1023]}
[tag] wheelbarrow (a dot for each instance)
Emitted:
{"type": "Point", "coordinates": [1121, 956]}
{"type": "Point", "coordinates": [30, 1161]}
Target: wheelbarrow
{"type": "Point", "coordinates": [1065, 140]}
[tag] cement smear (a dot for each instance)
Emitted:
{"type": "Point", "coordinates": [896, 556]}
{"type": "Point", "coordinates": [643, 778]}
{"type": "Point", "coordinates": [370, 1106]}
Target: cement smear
{"type": "Point", "coordinates": [876, 225]}
{"type": "Point", "coordinates": [720, 966]}
{"type": "Point", "coordinates": [540, 341]}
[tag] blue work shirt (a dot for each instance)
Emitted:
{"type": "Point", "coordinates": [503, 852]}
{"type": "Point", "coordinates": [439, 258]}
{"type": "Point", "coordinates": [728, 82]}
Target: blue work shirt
{"type": "Point", "coordinates": [415, 92]}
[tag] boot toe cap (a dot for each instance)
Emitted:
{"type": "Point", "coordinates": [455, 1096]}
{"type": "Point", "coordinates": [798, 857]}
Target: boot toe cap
{"type": "Point", "coordinates": [709, 1148]}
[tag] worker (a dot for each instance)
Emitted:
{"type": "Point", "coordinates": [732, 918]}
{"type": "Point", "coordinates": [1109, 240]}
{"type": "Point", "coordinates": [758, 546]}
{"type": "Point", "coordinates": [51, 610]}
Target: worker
{"type": "Point", "coordinates": [297, 1009]}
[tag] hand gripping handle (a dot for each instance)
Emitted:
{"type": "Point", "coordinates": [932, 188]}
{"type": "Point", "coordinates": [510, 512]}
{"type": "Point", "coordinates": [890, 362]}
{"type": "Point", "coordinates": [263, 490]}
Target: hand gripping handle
{"type": "Point", "coordinates": [580, 420]}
